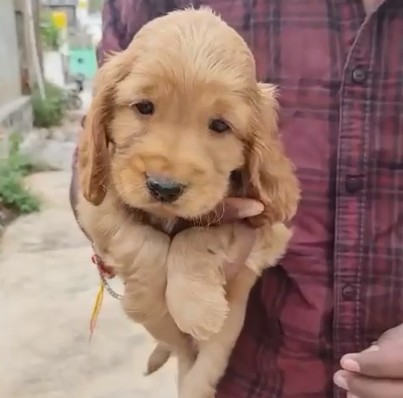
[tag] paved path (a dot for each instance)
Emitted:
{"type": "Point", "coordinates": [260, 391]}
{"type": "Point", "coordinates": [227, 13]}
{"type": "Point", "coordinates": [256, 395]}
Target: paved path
{"type": "Point", "coordinates": [47, 288]}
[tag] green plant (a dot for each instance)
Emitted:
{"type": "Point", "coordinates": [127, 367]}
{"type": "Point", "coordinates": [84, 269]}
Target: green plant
{"type": "Point", "coordinates": [13, 194]}
{"type": "Point", "coordinates": [13, 168]}
{"type": "Point", "coordinates": [50, 34]}
{"type": "Point", "coordinates": [95, 6]}
{"type": "Point", "coordinates": [49, 111]}
{"type": "Point", "coordinates": [16, 161]}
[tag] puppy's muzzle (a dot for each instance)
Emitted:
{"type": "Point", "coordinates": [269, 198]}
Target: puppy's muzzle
{"type": "Point", "coordinates": [164, 189]}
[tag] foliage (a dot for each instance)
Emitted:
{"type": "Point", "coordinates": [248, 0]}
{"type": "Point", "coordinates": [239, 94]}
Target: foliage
{"type": "Point", "coordinates": [13, 168]}
{"type": "Point", "coordinates": [50, 34]}
{"type": "Point", "coordinates": [95, 6]}
{"type": "Point", "coordinates": [49, 111]}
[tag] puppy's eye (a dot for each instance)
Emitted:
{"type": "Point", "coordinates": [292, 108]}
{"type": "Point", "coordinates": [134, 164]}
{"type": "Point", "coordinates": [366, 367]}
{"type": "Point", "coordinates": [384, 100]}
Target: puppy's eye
{"type": "Point", "coordinates": [145, 107]}
{"type": "Point", "coordinates": [218, 125]}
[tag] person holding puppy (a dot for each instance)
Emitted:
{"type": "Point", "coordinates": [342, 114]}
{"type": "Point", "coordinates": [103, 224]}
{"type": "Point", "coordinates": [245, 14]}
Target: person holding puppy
{"type": "Point", "coordinates": [328, 321]}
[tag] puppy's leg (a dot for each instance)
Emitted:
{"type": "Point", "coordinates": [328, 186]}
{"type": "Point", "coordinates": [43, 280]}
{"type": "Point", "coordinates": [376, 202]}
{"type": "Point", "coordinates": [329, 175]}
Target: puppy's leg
{"type": "Point", "coordinates": [195, 292]}
{"type": "Point", "coordinates": [144, 302]}
{"type": "Point", "coordinates": [166, 331]}
{"type": "Point", "coordinates": [139, 254]}
{"type": "Point", "coordinates": [271, 244]}
{"type": "Point", "coordinates": [212, 360]}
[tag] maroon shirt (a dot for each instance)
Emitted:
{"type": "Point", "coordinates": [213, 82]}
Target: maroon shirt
{"type": "Point", "coordinates": [340, 73]}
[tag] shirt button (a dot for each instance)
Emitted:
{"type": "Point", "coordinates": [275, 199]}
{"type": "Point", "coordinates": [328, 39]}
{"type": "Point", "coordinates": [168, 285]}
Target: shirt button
{"type": "Point", "coordinates": [348, 292]}
{"type": "Point", "coordinates": [354, 184]}
{"type": "Point", "coordinates": [359, 75]}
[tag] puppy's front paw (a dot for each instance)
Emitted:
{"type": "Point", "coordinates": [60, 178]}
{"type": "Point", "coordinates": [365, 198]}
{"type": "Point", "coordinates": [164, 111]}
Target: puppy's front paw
{"type": "Point", "coordinates": [195, 293]}
{"type": "Point", "coordinates": [199, 309]}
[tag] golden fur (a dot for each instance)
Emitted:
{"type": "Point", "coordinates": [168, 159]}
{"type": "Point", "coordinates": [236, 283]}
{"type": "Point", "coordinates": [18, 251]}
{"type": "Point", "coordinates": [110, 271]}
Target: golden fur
{"type": "Point", "coordinates": [193, 68]}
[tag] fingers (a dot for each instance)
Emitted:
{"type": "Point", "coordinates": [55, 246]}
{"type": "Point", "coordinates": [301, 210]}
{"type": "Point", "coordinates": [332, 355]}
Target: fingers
{"type": "Point", "coordinates": [365, 387]}
{"type": "Point", "coordinates": [384, 359]}
{"type": "Point", "coordinates": [234, 209]}
{"type": "Point", "coordinates": [376, 362]}
{"type": "Point", "coordinates": [392, 337]}
{"type": "Point", "coordinates": [229, 211]}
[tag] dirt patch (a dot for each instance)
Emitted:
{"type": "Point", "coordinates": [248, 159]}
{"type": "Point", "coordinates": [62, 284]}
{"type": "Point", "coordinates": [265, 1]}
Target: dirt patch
{"type": "Point", "coordinates": [46, 300]}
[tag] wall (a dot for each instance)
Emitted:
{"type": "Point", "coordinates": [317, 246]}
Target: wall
{"type": "Point", "coordinates": [15, 109]}
{"type": "Point", "coordinates": [10, 83]}
{"type": "Point", "coordinates": [16, 116]}
{"type": "Point", "coordinates": [53, 67]}
{"type": "Point", "coordinates": [24, 40]}
{"type": "Point", "coordinates": [70, 13]}
{"type": "Point", "coordinates": [68, 6]}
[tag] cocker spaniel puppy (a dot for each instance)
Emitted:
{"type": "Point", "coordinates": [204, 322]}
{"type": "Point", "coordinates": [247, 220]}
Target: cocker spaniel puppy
{"type": "Point", "coordinates": [178, 122]}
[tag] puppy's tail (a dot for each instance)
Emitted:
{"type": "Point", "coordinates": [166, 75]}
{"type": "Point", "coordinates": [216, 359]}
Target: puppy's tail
{"type": "Point", "coordinates": [158, 358]}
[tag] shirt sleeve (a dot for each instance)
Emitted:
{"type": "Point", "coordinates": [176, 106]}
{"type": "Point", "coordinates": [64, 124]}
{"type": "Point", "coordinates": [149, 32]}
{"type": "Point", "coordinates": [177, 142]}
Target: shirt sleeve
{"type": "Point", "coordinates": [121, 20]}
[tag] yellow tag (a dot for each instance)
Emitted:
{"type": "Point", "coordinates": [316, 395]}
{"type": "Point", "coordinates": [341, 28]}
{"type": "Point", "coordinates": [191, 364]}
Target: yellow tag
{"type": "Point", "coordinates": [97, 308]}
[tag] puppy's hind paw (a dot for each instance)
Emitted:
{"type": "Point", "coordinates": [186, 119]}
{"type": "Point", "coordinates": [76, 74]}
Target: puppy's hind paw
{"type": "Point", "coordinates": [158, 358]}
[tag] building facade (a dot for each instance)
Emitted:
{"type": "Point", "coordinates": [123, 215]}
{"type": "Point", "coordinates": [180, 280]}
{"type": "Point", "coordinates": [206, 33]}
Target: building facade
{"type": "Point", "coordinates": [15, 107]}
{"type": "Point", "coordinates": [67, 6]}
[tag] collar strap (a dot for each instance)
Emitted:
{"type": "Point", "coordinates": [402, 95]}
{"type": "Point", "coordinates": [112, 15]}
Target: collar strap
{"type": "Point", "coordinates": [102, 267]}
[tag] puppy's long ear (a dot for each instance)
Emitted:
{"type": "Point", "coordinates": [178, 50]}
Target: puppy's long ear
{"type": "Point", "coordinates": [93, 157]}
{"type": "Point", "coordinates": [271, 174]}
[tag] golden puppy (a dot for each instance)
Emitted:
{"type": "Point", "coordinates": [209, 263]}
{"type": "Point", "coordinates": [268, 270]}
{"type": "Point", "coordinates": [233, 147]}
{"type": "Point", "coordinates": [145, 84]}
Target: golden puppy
{"type": "Point", "coordinates": [178, 122]}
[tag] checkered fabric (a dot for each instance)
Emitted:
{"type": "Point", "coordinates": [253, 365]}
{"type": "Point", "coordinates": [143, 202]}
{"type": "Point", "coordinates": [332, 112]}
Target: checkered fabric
{"type": "Point", "coordinates": [340, 72]}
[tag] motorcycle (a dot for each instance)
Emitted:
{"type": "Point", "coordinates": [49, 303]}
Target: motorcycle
{"type": "Point", "coordinates": [73, 100]}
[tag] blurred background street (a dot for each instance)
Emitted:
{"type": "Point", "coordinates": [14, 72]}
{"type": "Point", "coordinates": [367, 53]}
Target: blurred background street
{"type": "Point", "coordinates": [48, 283]}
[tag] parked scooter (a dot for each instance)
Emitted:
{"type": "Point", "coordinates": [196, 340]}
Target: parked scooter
{"type": "Point", "coordinates": [74, 101]}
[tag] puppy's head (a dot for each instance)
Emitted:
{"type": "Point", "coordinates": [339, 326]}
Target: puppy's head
{"type": "Point", "coordinates": [176, 114]}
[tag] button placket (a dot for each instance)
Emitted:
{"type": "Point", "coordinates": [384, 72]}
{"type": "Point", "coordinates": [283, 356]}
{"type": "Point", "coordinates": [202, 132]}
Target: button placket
{"type": "Point", "coordinates": [351, 184]}
{"type": "Point", "coordinates": [348, 292]}
{"type": "Point", "coordinates": [354, 184]}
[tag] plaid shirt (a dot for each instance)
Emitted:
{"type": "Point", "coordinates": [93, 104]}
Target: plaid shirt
{"type": "Point", "coordinates": [340, 287]}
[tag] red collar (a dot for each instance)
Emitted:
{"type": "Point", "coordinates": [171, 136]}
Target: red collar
{"type": "Point", "coordinates": [102, 267]}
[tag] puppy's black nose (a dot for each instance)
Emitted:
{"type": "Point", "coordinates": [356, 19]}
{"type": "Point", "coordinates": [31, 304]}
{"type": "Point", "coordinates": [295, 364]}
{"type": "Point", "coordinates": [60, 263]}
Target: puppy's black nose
{"type": "Point", "coordinates": [164, 189]}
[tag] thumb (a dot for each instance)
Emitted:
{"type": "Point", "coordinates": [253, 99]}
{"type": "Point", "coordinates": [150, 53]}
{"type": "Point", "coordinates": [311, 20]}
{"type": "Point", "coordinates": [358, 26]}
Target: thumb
{"type": "Point", "coordinates": [383, 359]}
{"type": "Point", "coordinates": [376, 362]}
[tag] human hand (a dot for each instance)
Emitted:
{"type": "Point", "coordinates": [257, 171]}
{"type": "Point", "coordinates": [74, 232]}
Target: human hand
{"type": "Point", "coordinates": [376, 372]}
{"type": "Point", "coordinates": [233, 210]}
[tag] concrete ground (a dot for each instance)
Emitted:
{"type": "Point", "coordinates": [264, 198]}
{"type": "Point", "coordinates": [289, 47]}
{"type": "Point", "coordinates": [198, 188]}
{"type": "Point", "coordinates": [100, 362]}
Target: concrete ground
{"type": "Point", "coordinates": [47, 288]}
